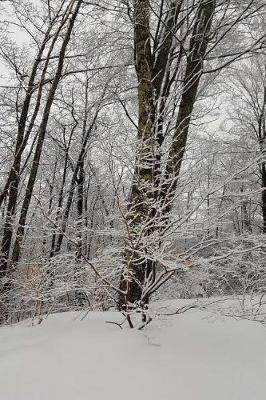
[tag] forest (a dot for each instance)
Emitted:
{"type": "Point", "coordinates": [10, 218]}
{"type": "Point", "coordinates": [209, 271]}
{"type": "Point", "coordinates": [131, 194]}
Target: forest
{"type": "Point", "coordinates": [132, 199]}
{"type": "Point", "coordinates": [133, 164]}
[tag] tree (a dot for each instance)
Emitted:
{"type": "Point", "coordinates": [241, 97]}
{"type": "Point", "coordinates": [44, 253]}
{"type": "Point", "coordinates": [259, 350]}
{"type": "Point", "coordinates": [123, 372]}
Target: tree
{"type": "Point", "coordinates": [64, 19]}
{"type": "Point", "coordinates": [184, 39]}
{"type": "Point", "coordinates": [128, 169]}
{"type": "Point", "coordinates": [249, 113]}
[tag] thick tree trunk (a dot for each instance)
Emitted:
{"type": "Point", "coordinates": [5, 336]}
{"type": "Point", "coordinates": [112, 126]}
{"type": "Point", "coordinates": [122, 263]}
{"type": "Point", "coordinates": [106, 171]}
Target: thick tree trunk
{"type": "Point", "coordinates": [137, 264]}
{"type": "Point", "coordinates": [194, 70]}
{"type": "Point", "coordinates": [148, 204]}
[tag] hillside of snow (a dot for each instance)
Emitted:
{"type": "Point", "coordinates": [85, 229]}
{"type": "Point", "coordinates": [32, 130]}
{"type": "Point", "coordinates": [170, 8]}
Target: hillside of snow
{"type": "Point", "coordinates": [191, 356]}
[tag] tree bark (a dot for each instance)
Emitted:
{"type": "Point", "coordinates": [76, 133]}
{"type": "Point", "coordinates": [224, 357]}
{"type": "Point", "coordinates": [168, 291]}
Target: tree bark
{"type": "Point", "coordinates": [71, 17]}
{"type": "Point", "coordinates": [137, 266]}
{"type": "Point", "coordinates": [194, 70]}
{"type": "Point", "coordinates": [146, 207]}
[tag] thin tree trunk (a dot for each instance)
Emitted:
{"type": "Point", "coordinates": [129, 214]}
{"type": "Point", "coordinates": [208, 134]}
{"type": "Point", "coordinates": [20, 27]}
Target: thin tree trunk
{"type": "Point", "coordinates": [73, 183]}
{"type": "Point", "coordinates": [72, 14]}
{"type": "Point", "coordinates": [80, 206]}
{"type": "Point", "coordinates": [13, 180]}
{"type": "Point", "coordinates": [61, 191]}
{"type": "Point", "coordinates": [263, 196]}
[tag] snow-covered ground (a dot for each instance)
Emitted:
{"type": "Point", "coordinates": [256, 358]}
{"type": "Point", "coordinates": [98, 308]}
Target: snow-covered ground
{"type": "Point", "coordinates": [191, 356]}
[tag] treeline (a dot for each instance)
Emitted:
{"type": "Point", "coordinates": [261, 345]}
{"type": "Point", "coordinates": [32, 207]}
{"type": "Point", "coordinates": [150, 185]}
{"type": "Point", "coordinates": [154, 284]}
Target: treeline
{"type": "Point", "coordinates": [132, 152]}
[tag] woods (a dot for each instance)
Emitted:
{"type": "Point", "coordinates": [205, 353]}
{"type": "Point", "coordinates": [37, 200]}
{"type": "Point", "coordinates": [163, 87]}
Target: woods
{"type": "Point", "coordinates": [132, 153]}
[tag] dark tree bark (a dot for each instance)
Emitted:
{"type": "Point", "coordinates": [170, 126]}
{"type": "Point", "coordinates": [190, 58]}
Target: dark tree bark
{"type": "Point", "coordinates": [262, 144]}
{"type": "Point", "coordinates": [73, 183]}
{"type": "Point", "coordinates": [12, 184]}
{"type": "Point", "coordinates": [80, 208]}
{"type": "Point", "coordinates": [70, 19]}
{"type": "Point", "coordinates": [263, 197]}
{"type": "Point", "coordinates": [62, 189]}
{"type": "Point", "coordinates": [141, 197]}
{"type": "Point", "coordinates": [194, 70]}
{"type": "Point", "coordinates": [148, 204]}
{"type": "Point", "coordinates": [25, 127]}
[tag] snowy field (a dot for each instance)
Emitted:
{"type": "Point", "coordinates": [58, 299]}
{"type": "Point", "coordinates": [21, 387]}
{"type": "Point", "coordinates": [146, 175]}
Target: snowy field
{"type": "Point", "coordinates": [191, 356]}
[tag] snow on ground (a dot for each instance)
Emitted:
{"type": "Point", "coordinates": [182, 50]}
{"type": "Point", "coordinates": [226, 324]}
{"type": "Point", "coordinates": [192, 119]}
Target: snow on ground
{"type": "Point", "coordinates": [188, 356]}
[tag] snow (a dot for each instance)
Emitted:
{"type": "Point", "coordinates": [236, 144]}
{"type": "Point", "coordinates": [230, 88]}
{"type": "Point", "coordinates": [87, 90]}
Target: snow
{"type": "Point", "coordinates": [194, 355]}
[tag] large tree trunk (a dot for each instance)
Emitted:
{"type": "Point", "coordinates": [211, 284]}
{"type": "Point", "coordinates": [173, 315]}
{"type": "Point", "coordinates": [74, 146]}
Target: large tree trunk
{"type": "Point", "coordinates": [137, 266]}
{"type": "Point", "coordinates": [194, 70]}
{"type": "Point", "coordinates": [152, 194]}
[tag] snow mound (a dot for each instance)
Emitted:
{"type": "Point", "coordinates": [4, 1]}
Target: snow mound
{"type": "Point", "coordinates": [192, 356]}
